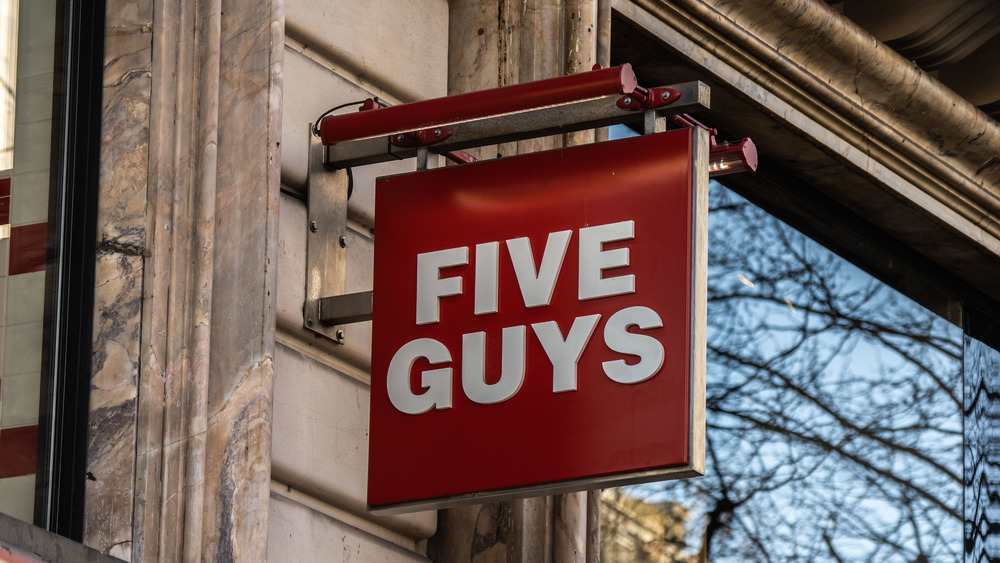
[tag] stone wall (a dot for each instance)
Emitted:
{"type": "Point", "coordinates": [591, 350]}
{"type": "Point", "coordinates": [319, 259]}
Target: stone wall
{"type": "Point", "coordinates": [337, 53]}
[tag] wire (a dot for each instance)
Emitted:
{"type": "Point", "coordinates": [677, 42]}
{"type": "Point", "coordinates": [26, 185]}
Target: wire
{"type": "Point", "coordinates": [315, 127]}
{"type": "Point", "coordinates": [316, 133]}
{"type": "Point", "coordinates": [294, 195]}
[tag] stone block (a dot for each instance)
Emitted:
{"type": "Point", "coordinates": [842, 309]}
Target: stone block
{"type": "Point", "coordinates": [320, 440]}
{"type": "Point", "coordinates": [399, 45]}
{"type": "Point", "coordinates": [310, 90]}
{"type": "Point", "coordinates": [291, 284]}
{"type": "Point", "coordinates": [297, 533]}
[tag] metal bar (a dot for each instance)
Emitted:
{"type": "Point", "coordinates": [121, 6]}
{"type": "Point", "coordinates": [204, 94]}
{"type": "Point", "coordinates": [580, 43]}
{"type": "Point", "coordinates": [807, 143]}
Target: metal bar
{"type": "Point", "coordinates": [346, 309]}
{"type": "Point", "coordinates": [525, 125]}
{"type": "Point", "coordinates": [475, 105]}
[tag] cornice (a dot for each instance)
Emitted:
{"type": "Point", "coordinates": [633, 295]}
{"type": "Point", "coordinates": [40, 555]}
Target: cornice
{"type": "Point", "coordinates": [835, 73]}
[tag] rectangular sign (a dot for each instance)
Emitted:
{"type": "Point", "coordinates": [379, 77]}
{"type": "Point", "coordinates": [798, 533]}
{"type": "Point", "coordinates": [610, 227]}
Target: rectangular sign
{"type": "Point", "coordinates": [538, 323]}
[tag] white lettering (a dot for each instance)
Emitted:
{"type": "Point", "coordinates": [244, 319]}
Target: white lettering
{"type": "Point", "coordinates": [619, 339]}
{"type": "Point", "coordinates": [431, 286]}
{"type": "Point", "coordinates": [437, 382]}
{"type": "Point", "coordinates": [537, 287]}
{"type": "Point", "coordinates": [594, 260]}
{"type": "Point", "coordinates": [564, 353]}
{"type": "Point", "coordinates": [487, 278]}
{"type": "Point", "coordinates": [511, 366]}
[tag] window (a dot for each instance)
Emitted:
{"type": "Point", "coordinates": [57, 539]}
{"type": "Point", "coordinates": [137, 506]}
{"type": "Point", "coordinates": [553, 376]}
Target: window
{"type": "Point", "coordinates": [834, 415]}
{"type": "Point", "coordinates": [31, 30]}
{"type": "Point", "coordinates": [48, 281]}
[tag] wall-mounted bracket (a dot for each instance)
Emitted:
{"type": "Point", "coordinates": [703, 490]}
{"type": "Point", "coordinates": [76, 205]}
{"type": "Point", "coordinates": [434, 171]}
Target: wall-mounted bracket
{"type": "Point", "coordinates": [554, 120]}
{"type": "Point", "coordinates": [420, 138]}
{"type": "Point", "coordinates": [327, 307]}
{"type": "Point", "coordinates": [651, 98]}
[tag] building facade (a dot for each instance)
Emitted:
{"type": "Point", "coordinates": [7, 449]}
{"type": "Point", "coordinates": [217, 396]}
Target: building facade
{"type": "Point", "coordinates": [154, 303]}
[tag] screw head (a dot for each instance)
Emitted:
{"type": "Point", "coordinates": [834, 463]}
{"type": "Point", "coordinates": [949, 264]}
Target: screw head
{"type": "Point", "coordinates": [628, 101]}
{"type": "Point", "coordinates": [437, 132]}
{"type": "Point", "coordinates": [343, 241]}
{"type": "Point", "coordinates": [309, 320]}
{"type": "Point", "coordinates": [400, 138]}
{"type": "Point", "coordinates": [663, 95]}
{"type": "Point", "coordinates": [340, 336]}
{"type": "Point", "coordinates": [313, 226]}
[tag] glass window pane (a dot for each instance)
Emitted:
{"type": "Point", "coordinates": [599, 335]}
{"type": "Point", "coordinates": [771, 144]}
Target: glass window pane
{"type": "Point", "coordinates": [834, 414]}
{"type": "Point", "coordinates": [27, 72]}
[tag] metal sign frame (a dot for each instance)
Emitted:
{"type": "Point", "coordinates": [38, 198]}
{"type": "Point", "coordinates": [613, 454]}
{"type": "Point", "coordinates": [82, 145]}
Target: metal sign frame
{"type": "Point", "coordinates": [429, 413]}
{"type": "Point", "coordinates": [327, 308]}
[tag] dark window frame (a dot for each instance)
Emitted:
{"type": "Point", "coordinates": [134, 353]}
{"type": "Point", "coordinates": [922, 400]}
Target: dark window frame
{"type": "Point", "coordinates": [70, 267]}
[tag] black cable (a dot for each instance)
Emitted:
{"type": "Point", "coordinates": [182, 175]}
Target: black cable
{"type": "Point", "coordinates": [294, 195]}
{"type": "Point", "coordinates": [315, 128]}
{"type": "Point", "coordinates": [316, 133]}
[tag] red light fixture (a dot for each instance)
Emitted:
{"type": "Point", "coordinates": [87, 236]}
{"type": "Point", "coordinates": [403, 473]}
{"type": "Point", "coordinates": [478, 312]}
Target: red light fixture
{"type": "Point", "coordinates": [732, 158]}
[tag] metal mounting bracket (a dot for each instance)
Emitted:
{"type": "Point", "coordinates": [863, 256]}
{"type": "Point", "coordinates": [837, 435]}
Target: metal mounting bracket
{"type": "Point", "coordinates": [646, 99]}
{"type": "Point", "coordinates": [420, 138]}
{"type": "Point", "coordinates": [327, 307]}
{"type": "Point", "coordinates": [539, 122]}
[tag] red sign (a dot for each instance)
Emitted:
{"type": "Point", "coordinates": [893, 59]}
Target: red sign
{"type": "Point", "coordinates": [533, 324]}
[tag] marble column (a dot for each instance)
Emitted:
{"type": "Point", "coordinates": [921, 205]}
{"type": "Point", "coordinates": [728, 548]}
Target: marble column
{"type": "Point", "coordinates": [493, 44]}
{"type": "Point", "coordinates": [118, 294]}
{"type": "Point", "coordinates": [570, 516]}
{"type": "Point", "coordinates": [180, 443]}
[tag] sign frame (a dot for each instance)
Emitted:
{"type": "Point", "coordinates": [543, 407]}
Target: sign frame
{"type": "Point", "coordinates": [385, 423]}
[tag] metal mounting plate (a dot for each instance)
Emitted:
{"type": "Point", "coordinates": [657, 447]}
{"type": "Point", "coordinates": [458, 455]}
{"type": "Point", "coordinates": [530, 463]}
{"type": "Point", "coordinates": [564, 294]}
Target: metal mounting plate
{"type": "Point", "coordinates": [326, 255]}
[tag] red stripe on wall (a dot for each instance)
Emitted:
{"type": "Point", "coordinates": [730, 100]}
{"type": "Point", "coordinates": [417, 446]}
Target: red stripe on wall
{"type": "Point", "coordinates": [4, 201]}
{"type": "Point", "coordinates": [4, 210]}
{"type": "Point", "coordinates": [27, 248]}
{"type": "Point", "coordinates": [18, 451]}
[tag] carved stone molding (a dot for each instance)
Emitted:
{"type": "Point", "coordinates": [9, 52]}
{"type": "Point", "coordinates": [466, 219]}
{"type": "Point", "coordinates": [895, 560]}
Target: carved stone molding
{"type": "Point", "coordinates": [851, 78]}
{"type": "Point", "coordinates": [846, 115]}
{"type": "Point", "coordinates": [118, 294]}
{"type": "Point", "coordinates": [494, 44]}
{"type": "Point", "coordinates": [189, 195]}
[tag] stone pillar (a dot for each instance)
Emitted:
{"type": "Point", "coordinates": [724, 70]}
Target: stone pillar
{"type": "Point", "coordinates": [189, 191]}
{"type": "Point", "coordinates": [580, 34]}
{"type": "Point", "coordinates": [570, 515]}
{"type": "Point", "coordinates": [491, 44]}
{"type": "Point", "coordinates": [118, 293]}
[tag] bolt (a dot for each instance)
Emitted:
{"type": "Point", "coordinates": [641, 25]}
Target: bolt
{"type": "Point", "coordinates": [313, 226]}
{"type": "Point", "coordinates": [309, 320]}
{"type": "Point", "coordinates": [400, 138]}
{"type": "Point", "coordinates": [343, 241]}
{"type": "Point", "coordinates": [663, 95]}
{"type": "Point", "coordinates": [437, 132]}
{"type": "Point", "coordinates": [340, 336]}
{"type": "Point", "coordinates": [628, 101]}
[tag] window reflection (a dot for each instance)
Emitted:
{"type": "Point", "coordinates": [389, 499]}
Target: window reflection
{"type": "Point", "coordinates": [27, 77]}
{"type": "Point", "coordinates": [834, 411]}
